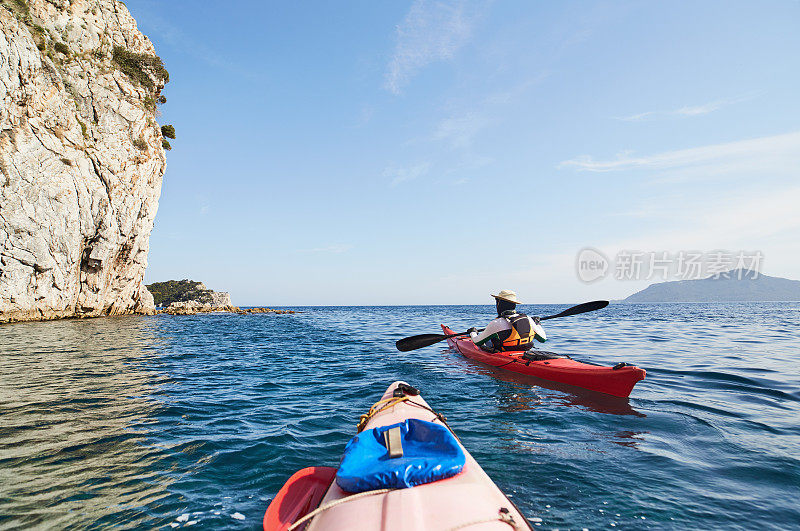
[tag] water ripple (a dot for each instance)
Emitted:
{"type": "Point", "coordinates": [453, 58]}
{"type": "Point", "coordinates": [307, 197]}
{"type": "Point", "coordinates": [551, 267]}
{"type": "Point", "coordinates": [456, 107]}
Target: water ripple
{"type": "Point", "coordinates": [166, 421]}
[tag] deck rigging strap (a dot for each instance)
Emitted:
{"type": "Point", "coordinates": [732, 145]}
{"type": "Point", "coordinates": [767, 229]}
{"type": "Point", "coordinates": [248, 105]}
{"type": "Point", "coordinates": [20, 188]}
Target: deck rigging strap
{"type": "Point", "coordinates": [377, 407]}
{"type": "Point", "coordinates": [385, 403]}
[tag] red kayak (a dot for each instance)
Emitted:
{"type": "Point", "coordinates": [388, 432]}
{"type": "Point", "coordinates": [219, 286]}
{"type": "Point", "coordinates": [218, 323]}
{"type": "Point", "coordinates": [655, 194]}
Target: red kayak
{"type": "Point", "coordinates": [618, 380]}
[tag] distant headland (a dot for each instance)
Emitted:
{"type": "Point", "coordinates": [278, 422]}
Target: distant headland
{"type": "Point", "coordinates": [189, 297]}
{"type": "Point", "coordinates": [737, 285]}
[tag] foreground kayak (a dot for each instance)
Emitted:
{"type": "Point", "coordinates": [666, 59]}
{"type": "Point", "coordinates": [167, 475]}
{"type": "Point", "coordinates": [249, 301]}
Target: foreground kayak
{"type": "Point", "coordinates": [404, 471]}
{"type": "Point", "coordinates": [618, 380]}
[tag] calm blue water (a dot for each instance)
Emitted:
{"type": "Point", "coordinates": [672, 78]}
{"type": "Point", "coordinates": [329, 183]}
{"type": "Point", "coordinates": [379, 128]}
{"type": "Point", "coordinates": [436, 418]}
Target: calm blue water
{"type": "Point", "coordinates": [168, 421]}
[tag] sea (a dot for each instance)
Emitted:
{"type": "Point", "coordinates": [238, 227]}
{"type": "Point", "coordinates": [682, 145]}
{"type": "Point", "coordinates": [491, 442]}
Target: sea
{"type": "Point", "coordinates": [162, 422]}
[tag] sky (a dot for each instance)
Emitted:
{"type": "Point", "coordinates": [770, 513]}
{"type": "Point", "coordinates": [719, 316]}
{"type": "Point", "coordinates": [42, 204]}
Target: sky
{"type": "Point", "coordinates": [347, 153]}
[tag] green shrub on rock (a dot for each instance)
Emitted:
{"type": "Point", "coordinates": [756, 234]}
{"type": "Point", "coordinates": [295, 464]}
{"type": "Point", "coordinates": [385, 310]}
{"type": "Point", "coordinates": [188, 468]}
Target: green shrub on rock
{"type": "Point", "coordinates": [168, 131]}
{"type": "Point", "coordinates": [165, 293]}
{"type": "Point", "coordinates": [39, 37]}
{"type": "Point", "coordinates": [60, 47]}
{"type": "Point", "coordinates": [140, 67]}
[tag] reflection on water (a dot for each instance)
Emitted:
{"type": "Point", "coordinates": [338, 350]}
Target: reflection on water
{"type": "Point", "coordinates": [75, 408]}
{"type": "Point", "coordinates": [628, 438]}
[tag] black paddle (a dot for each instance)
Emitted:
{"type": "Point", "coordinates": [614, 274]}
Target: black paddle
{"type": "Point", "coordinates": [581, 308]}
{"type": "Point", "coordinates": [423, 340]}
{"type": "Point", "coordinates": [426, 340]}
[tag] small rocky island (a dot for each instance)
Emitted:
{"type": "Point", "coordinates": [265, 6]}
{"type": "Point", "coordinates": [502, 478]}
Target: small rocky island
{"type": "Point", "coordinates": [188, 297]}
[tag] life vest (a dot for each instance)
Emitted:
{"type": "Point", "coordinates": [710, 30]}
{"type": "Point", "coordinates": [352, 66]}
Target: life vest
{"type": "Point", "coordinates": [520, 336]}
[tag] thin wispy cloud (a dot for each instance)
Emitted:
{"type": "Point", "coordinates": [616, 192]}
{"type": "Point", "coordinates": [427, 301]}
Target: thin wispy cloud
{"type": "Point", "coordinates": [769, 223]}
{"type": "Point", "coordinates": [736, 219]}
{"type": "Point", "coordinates": [365, 116]}
{"type": "Point", "coordinates": [690, 110]}
{"type": "Point", "coordinates": [400, 175]}
{"type": "Point", "coordinates": [460, 130]}
{"type": "Point", "coordinates": [463, 123]}
{"type": "Point", "coordinates": [430, 32]}
{"type": "Point", "coordinates": [328, 249]}
{"type": "Point", "coordinates": [742, 214]}
{"type": "Point", "coordinates": [203, 205]}
{"type": "Point", "coordinates": [778, 153]}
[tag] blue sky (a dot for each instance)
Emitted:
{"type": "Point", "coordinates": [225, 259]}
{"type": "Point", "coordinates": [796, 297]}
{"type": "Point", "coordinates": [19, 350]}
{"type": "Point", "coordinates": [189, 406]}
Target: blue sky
{"type": "Point", "coordinates": [433, 152]}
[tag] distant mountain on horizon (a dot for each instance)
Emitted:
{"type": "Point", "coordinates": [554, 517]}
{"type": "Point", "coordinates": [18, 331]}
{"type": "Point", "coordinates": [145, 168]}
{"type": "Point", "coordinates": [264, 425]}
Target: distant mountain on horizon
{"type": "Point", "coordinates": [751, 287]}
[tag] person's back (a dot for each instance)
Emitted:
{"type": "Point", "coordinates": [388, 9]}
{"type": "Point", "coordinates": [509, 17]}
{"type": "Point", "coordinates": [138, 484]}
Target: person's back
{"type": "Point", "coordinates": [511, 330]}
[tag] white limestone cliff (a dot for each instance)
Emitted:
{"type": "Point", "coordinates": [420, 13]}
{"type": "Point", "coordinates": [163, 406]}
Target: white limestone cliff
{"type": "Point", "coordinates": [81, 159]}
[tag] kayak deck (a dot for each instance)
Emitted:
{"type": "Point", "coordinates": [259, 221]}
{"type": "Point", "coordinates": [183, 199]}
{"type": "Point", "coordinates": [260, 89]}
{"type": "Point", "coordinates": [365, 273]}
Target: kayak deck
{"type": "Point", "coordinates": [469, 499]}
{"type": "Point", "coordinates": [617, 382]}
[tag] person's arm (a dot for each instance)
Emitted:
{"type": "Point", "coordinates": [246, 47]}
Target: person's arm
{"type": "Point", "coordinates": [538, 330]}
{"type": "Point", "coordinates": [490, 330]}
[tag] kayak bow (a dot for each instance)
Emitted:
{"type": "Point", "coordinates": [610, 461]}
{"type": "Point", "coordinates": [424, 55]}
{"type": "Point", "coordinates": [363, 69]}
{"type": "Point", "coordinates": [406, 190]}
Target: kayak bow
{"type": "Point", "coordinates": [464, 497]}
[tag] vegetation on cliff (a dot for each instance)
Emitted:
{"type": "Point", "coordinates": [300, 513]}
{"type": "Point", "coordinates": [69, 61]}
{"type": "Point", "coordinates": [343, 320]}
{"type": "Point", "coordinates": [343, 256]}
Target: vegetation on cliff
{"type": "Point", "coordinates": [167, 131]}
{"type": "Point", "coordinates": [165, 293]}
{"type": "Point", "coordinates": [141, 67]}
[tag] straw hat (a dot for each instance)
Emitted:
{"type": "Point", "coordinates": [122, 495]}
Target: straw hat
{"type": "Point", "coordinates": [507, 295]}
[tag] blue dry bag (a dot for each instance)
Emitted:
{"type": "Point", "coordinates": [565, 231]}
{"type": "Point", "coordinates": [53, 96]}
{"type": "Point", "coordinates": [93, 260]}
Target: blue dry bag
{"type": "Point", "coordinates": [430, 453]}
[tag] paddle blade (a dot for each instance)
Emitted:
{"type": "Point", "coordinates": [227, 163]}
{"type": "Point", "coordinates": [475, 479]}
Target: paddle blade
{"type": "Point", "coordinates": [581, 308]}
{"type": "Point", "coordinates": [420, 341]}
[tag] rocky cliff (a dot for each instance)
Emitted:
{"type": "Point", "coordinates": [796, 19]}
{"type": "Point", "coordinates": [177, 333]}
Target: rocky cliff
{"type": "Point", "coordinates": [81, 158]}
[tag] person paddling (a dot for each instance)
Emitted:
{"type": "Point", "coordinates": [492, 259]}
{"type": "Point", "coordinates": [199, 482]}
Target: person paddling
{"type": "Point", "coordinates": [511, 330]}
